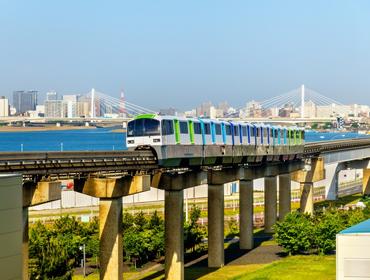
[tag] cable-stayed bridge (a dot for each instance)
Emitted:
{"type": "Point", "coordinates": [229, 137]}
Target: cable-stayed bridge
{"type": "Point", "coordinates": [102, 105]}
{"type": "Point", "coordinates": [299, 103]}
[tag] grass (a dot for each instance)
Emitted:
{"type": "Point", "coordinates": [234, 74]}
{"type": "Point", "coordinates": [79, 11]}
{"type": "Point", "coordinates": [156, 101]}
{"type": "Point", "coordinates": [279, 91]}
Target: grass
{"type": "Point", "coordinates": [349, 199]}
{"type": "Point", "coordinates": [289, 268]}
{"type": "Point", "coordinates": [294, 268]}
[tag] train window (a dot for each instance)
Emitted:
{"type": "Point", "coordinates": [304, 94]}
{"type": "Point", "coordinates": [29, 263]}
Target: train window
{"type": "Point", "coordinates": [236, 131]}
{"type": "Point", "coordinates": [131, 129]}
{"type": "Point", "coordinates": [272, 132]}
{"type": "Point", "coordinates": [228, 129]}
{"type": "Point", "coordinates": [302, 135]}
{"type": "Point", "coordinates": [282, 133]}
{"type": "Point", "coordinates": [143, 127]}
{"type": "Point", "coordinates": [184, 127]}
{"type": "Point", "coordinates": [244, 130]}
{"type": "Point", "coordinates": [276, 133]}
{"type": "Point", "coordinates": [197, 128]}
{"type": "Point", "coordinates": [207, 128]}
{"type": "Point", "coordinates": [218, 128]}
{"type": "Point", "coordinates": [257, 131]}
{"type": "Point", "coordinates": [167, 127]}
{"type": "Point", "coordinates": [264, 131]}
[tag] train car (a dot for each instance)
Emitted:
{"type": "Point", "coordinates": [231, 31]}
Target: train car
{"type": "Point", "coordinates": [194, 141]}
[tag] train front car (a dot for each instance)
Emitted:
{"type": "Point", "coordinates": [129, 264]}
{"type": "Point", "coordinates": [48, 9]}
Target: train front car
{"type": "Point", "coordinates": [143, 132]}
{"type": "Point", "coordinates": [175, 141]}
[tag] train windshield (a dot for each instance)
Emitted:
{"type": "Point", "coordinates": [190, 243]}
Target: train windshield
{"type": "Point", "coordinates": [143, 127]}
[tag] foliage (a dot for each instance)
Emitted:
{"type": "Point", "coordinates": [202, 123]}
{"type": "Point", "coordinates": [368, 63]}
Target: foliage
{"type": "Point", "coordinates": [193, 232]}
{"type": "Point", "coordinates": [295, 233]}
{"type": "Point", "coordinates": [232, 228]}
{"type": "Point", "coordinates": [143, 238]}
{"type": "Point", "coordinates": [54, 249]}
{"type": "Point", "coordinates": [302, 233]}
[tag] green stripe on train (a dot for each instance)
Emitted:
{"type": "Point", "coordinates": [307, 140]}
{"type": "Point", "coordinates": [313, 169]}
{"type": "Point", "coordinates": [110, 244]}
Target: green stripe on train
{"type": "Point", "coordinates": [191, 132]}
{"type": "Point", "coordinates": [145, 116]}
{"type": "Point", "coordinates": [177, 131]}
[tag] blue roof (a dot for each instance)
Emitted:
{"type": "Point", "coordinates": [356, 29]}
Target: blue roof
{"type": "Point", "coordinates": [363, 227]}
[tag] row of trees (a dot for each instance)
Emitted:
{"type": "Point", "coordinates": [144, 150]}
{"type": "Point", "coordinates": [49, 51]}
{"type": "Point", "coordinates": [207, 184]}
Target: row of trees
{"type": "Point", "coordinates": [54, 248]}
{"type": "Point", "coordinates": [303, 233]}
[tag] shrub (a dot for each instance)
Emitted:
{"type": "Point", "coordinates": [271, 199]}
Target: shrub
{"type": "Point", "coordinates": [295, 233]}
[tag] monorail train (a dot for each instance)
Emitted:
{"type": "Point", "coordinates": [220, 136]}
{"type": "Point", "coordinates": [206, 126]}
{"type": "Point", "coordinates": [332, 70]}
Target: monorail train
{"type": "Point", "coordinates": [196, 141]}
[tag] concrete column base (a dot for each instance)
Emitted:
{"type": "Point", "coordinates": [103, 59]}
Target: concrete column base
{"type": "Point", "coordinates": [270, 203]}
{"type": "Point", "coordinates": [246, 215]}
{"type": "Point", "coordinates": [307, 198]}
{"type": "Point", "coordinates": [25, 243]}
{"type": "Point", "coordinates": [174, 235]}
{"type": "Point", "coordinates": [284, 195]}
{"type": "Point", "coordinates": [110, 234]}
{"type": "Point", "coordinates": [216, 226]}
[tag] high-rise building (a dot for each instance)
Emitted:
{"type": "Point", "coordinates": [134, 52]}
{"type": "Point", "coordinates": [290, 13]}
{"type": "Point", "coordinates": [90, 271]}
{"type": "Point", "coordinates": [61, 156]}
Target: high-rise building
{"type": "Point", "coordinates": [54, 109]}
{"type": "Point", "coordinates": [70, 101]}
{"type": "Point", "coordinates": [4, 106]}
{"type": "Point", "coordinates": [24, 101]}
{"type": "Point", "coordinates": [51, 95]}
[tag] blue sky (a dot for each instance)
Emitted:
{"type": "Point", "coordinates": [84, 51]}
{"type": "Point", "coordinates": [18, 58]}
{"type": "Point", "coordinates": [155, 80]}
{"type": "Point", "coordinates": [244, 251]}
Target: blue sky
{"type": "Point", "coordinates": [172, 53]}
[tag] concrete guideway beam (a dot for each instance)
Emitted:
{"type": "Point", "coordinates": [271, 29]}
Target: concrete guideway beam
{"type": "Point", "coordinates": [284, 195]}
{"type": "Point", "coordinates": [246, 214]}
{"type": "Point", "coordinates": [41, 192]}
{"type": "Point", "coordinates": [112, 187]}
{"type": "Point", "coordinates": [216, 225]}
{"type": "Point", "coordinates": [270, 203]}
{"type": "Point", "coordinates": [179, 181]}
{"type": "Point", "coordinates": [220, 177]}
{"type": "Point", "coordinates": [110, 235]}
{"type": "Point", "coordinates": [174, 235]}
{"type": "Point", "coordinates": [315, 174]}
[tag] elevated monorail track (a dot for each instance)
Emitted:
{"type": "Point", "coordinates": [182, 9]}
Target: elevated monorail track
{"type": "Point", "coordinates": [76, 162]}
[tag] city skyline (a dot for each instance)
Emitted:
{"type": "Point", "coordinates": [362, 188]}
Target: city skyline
{"type": "Point", "coordinates": [182, 55]}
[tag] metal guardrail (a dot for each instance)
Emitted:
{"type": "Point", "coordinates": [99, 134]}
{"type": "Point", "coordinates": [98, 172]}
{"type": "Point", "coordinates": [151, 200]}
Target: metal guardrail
{"type": "Point", "coordinates": [315, 148]}
{"type": "Point", "coordinates": [43, 163]}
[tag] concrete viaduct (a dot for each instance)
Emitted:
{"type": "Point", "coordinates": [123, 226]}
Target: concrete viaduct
{"type": "Point", "coordinates": [111, 175]}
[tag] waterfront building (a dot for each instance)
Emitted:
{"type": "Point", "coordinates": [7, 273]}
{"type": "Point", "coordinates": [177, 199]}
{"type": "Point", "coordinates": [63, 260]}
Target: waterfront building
{"type": "Point", "coordinates": [4, 106]}
{"type": "Point", "coordinates": [24, 101]}
{"type": "Point", "coordinates": [54, 109]}
{"type": "Point", "coordinates": [51, 95]}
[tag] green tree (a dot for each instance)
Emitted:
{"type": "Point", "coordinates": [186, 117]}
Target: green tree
{"type": "Point", "coordinates": [193, 232]}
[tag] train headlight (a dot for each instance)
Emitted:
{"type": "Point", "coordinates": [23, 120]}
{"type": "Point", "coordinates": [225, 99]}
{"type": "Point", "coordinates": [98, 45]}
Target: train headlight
{"type": "Point", "coordinates": [130, 141]}
{"type": "Point", "coordinates": [156, 140]}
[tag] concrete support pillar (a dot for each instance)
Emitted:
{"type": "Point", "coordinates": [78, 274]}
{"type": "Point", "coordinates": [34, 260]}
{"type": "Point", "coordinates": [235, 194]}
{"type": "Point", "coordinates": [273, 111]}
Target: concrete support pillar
{"type": "Point", "coordinates": [307, 197]}
{"type": "Point", "coordinates": [215, 225]}
{"type": "Point", "coordinates": [284, 195]}
{"type": "Point", "coordinates": [366, 181]}
{"type": "Point", "coordinates": [174, 235]}
{"type": "Point", "coordinates": [270, 203]}
{"type": "Point", "coordinates": [25, 243]}
{"type": "Point", "coordinates": [246, 214]}
{"type": "Point", "coordinates": [110, 234]}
